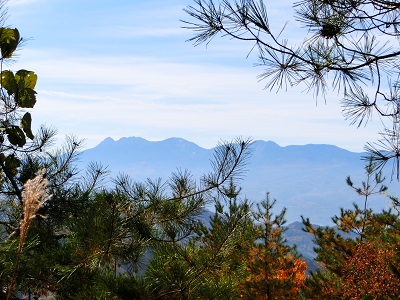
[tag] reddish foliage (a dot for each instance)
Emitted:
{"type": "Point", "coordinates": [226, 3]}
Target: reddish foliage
{"type": "Point", "coordinates": [367, 272]}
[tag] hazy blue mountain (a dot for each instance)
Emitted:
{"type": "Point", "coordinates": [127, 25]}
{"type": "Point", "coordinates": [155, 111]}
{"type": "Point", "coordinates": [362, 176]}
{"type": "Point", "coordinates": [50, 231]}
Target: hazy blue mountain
{"type": "Point", "coordinates": [143, 159]}
{"type": "Point", "coordinates": [309, 180]}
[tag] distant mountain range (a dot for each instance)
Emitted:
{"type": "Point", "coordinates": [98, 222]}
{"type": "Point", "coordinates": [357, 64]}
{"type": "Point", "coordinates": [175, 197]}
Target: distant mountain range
{"type": "Point", "coordinates": [309, 180]}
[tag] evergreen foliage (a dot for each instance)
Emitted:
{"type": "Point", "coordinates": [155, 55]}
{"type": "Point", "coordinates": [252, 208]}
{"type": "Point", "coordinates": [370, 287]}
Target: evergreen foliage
{"type": "Point", "coordinates": [71, 235]}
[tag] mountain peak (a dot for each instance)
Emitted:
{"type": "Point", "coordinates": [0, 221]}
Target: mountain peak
{"type": "Point", "coordinates": [266, 144]}
{"type": "Point", "coordinates": [179, 143]}
{"type": "Point", "coordinates": [107, 141]}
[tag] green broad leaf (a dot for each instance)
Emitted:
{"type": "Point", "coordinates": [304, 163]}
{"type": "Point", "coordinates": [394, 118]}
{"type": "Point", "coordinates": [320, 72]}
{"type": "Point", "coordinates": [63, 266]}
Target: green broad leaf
{"type": "Point", "coordinates": [26, 98]}
{"type": "Point", "coordinates": [16, 136]}
{"type": "Point", "coordinates": [12, 163]}
{"type": "Point", "coordinates": [24, 94]}
{"type": "Point", "coordinates": [9, 40]}
{"type": "Point", "coordinates": [27, 78]}
{"type": "Point", "coordinates": [26, 123]}
{"type": "Point", "coordinates": [7, 81]}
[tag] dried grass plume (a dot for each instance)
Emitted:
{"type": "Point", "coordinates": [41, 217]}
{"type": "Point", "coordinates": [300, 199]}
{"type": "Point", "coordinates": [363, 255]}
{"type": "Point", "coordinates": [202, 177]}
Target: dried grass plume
{"type": "Point", "coordinates": [34, 195]}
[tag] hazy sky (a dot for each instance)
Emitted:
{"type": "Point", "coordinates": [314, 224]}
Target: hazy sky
{"type": "Point", "coordinates": [122, 68]}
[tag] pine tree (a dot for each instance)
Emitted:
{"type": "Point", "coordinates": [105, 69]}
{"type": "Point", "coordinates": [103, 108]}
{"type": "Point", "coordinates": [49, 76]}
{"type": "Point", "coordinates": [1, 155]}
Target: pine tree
{"type": "Point", "coordinates": [209, 264]}
{"type": "Point", "coordinates": [274, 269]}
{"type": "Point", "coordinates": [358, 257]}
{"type": "Point", "coordinates": [113, 237]}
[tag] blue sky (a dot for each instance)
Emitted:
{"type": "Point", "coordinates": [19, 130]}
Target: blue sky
{"type": "Point", "coordinates": [122, 68]}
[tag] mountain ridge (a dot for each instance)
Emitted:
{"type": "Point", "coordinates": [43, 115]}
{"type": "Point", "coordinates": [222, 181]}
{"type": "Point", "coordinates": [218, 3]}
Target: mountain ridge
{"type": "Point", "coordinates": [309, 180]}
